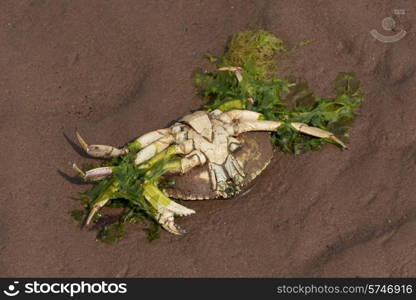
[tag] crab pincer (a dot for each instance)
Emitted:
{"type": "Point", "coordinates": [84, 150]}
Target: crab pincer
{"type": "Point", "coordinates": [166, 209]}
{"type": "Point", "coordinates": [100, 151]}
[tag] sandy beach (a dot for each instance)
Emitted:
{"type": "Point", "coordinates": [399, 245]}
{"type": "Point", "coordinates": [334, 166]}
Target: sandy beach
{"type": "Point", "coordinates": [117, 69]}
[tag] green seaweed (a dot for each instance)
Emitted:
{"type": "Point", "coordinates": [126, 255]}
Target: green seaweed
{"type": "Point", "coordinates": [129, 180]}
{"type": "Point", "coordinates": [78, 214]}
{"type": "Point", "coordinates": [112, 233]}
{"type": "Point", "coordinates": [258, 48]}
{"type": "Point", "coordinates": [278, 99]}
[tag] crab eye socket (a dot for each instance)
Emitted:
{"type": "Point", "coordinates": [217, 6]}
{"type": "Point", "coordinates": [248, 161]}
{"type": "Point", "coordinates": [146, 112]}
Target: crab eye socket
{"type": "Point", "coordinates": [177, 128]}
{"type": "Point", "coordinates": [233, 144]}
{"type": "Point", "coordinates": [233, 147]}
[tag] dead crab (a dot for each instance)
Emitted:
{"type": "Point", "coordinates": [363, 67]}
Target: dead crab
{"type": "Point", "coordinates": [221, 153]}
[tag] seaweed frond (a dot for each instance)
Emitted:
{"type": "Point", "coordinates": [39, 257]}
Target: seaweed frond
{"type": "Point", "coordinates": [278, 99]}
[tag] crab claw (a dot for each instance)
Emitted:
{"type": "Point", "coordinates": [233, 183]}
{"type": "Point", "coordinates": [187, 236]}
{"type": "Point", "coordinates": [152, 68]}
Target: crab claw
{"type": "Point", "coordinates": [79, 171]}
{"type": "Point", "coordinates": [95, 174]}
{"type": "Point", "coordinates": [166, 219]}
{"type": "Point", "coordinates": [166, 209]}
{"type": "Point", "coordinates": [237, 71]}
{"type": "Point", "coordinates": [317, 132]}
{"type": "Point", "coordinates": [96, 207]}
{"type": "Point", "coordinates": [100, 151]}
{"type": "Point", "coordinates": [101, 201]}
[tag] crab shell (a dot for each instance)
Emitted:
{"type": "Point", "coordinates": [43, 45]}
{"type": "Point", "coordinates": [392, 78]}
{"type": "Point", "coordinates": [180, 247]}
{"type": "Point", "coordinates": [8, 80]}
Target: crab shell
{"type": "Point", "coordinates": [220, 155]}
{"type": "Point", "coordinates": [254, 156]}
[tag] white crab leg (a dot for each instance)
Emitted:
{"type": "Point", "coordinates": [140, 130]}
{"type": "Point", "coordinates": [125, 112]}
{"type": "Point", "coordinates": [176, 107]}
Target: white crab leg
{"type": "Point", "coordinates": [243, 115]}
{"type": "Point", "coordinates": [234, 169]}
{"type": "Point", "coordinates": [261, 125]}
{"type": "Point", "coordinates": [78, 170]}
{"type": "Point", "coordinates": [218, 178]}
{"type": "Point", "coordinates": [317, 132]}
{"type": "Point", "coordinates": [166, 219]}
{"type": "Point", "coordinates": [151, 137]}
{"type": "Point", "coordinates": [100, 151]}
{"type": "Point", "coordinates": [237, 71]}
{"type": "Point", "coordinates": [98, 173]}
{"type": "Point", "coordinates": [183, 148]}
{"type": "Point", "coordinates": [154, 148]}
{"type": "Point", "coordinates": [94, 174]}
{"type": "Point", "coordinates": [194, 159]}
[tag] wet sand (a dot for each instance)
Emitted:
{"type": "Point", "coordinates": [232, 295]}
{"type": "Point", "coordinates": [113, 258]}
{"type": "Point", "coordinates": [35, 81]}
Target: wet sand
{"type": "Point", "coordinates": [115, 70]}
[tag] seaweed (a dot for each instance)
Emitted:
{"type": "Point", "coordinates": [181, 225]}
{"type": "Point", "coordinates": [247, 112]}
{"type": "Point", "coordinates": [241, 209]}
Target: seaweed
{"type": "Point", "coordinates": [258, 48]}
{"type": "Point", "coordinates": [128, 194]}
{"type": "Point", "coordinates": [278, 99]}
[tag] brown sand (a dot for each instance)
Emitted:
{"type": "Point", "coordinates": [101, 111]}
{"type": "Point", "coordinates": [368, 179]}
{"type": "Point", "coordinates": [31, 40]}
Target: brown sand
{"type": "Point", "coordinates": [117, 69]}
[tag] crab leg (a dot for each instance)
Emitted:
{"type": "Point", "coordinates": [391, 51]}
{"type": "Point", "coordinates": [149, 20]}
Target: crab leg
{"type": "Point", "coordinates": [237, 72]}
{"type": "Point", "coordinates": [234, 169]}
{"type": "Point", "coordinates": [154, 148]}
{"type": "Point", "coordinates": [235, 115]}
{"type": "Point", "coordinates": [243, 115]}
{"type": "Point", "coordinates": [165, 154]}
{"type": "Point", "coordinates": [101, 201]}
{"type": "Point", "coordinates": [157, 199]}
{"type": "Point", "coordinates": [258, 125]}
{"type": "Point", "coordinates": [151, 137]}
{"type": "Point", "coordinates": [183, 148]}
{"type": "Point", "coordinates": [100, 151]}
{"type": "Point", "coordinates": [261, 125]}
{"type": "Point", "coordinates": [317, 132]}
{"type": "Point", "coordinates": [192, 160]}
{"type": "Point", "coordinates": [79, 171]}
{"type": "Point", "coordinates": [94, 174]}
{"type": "Point", "coordinates": [166, 209]}
{"type": "Point", "coordinates": [105, 151]}
{"type": "Point", "coordinates": [218, 179]}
